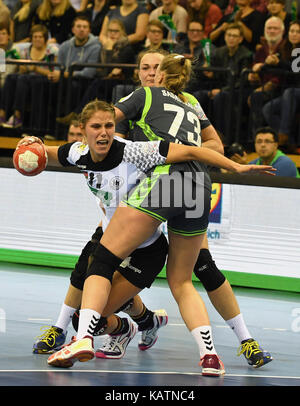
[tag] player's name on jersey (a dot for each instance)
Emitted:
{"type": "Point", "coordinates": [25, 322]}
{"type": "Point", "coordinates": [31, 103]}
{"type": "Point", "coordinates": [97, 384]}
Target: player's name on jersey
{"type": "Point", "coordinates": [170, 94]}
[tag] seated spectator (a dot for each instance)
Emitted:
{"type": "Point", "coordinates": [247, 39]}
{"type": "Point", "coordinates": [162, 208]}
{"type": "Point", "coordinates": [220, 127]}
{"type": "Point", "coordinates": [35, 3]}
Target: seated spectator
{"type": "Point", "coordinates": [280, 112]}
{"type": "Point", "coordinates": [237, 57]}
{"type": "Point", "coordinates": [135, 18]}
{"type": "Point", "coordinates": [266, 83]}
{"type": "Point", "coordinates": [206, 12]}
{"type": "Point", "coordinates": [74, 132]}
{"type": "Point", "coordinates": [57, 16]}
{"type": "Point", "coordinates": [155, 36]}
{"type": "Point", "coordinates": [22, 19]}
{"type": "Point", "coordinates": [96, 14]}
{"type": "Point", "coordinates": [11, 51]}
{"type": "Point", "coordinates": [200, 50]}
{"type": "Point", "coordinates": [176, 14]}
{"type": "Point", "coordinates": [276, 8]}
{"type": "Point", "coordinates": [266, 146]}
{"type": "Point", "coordinates": [116, 50]}
{"type": "Point", "coordinates": [192, 47]}
{"type": "Point", "coordinates": [252, 22]}
{"type": "Point", "coordinates": [26, 87]}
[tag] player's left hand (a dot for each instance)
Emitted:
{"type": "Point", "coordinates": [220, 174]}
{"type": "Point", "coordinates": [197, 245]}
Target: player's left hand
{"type": "Point", "coordinates": [256, 169]}
{"type": "Point", "coordinates": [29, 140]}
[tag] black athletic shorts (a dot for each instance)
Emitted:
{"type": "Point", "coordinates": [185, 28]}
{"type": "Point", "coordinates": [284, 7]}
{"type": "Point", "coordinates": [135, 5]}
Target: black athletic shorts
{"type": "Point", "coordinates": [178, 197]}
{"type": "Point", "coordinates": [140, 268]}
{"type": "Point", "coordinates": [144, 264]}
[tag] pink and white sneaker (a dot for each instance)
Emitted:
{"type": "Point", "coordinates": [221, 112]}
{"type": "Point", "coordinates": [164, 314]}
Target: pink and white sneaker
{"type": "Point", "coordinates": [78, 350]}
{"type": "Point", "coordinates": [212, 365]}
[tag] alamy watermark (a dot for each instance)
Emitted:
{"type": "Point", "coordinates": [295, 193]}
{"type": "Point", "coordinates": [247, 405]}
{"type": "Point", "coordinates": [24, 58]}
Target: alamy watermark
{"type": "Point", "coordinates": [295, 326]}
{"type": "Point", "coordinates": [2, 321]}
{"type": "Point", "coordinates": [158, 191]}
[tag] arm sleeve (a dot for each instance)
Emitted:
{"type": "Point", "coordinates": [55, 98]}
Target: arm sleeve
{"type": "Point", "coordinates": [146, 155]}
{"type": "Point", "coordinates": [133, 104]}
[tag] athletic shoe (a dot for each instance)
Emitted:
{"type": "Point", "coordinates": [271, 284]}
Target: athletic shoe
{"type": "Point", "coordinates": [254, 355]}
{"type": "Point", "coordinates": [50, 341]}
{"type": "Point", "coordinates": [115, 345]}
{"type": "Point", "coordinates": [78, 350]}
{"type": "Point", "coordinates": [149, 337]}
{"type": "Point", "coordinates": [212, 365]}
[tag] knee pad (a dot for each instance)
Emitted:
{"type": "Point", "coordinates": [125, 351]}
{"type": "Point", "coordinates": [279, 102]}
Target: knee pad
{"type": "Point", "coordinates": [207, 272]}
{"type": "Point", "coordinates": [103, 263]}
{"type": "Point", "coordinates": [79, 273]}
{"type": "Point", "coordinates": [99, 329]}
{"type": "Point", "coordinates": [126, 306]}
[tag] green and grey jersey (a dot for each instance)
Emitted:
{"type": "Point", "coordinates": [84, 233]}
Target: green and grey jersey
{"type": "Point", "coordinates": [159, 114]}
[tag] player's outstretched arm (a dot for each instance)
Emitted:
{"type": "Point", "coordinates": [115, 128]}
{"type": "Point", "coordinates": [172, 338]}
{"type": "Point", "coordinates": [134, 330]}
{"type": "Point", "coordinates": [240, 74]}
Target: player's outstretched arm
{"type": "Point", "coordinates": [181, 153]}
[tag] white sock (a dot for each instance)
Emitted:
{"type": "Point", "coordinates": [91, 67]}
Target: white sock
{"type": "Point", "coordinates": [88, 319]}
{"type": "Point", "coordinates": [203, 337]}
{"type": "Point", "coordinates": [239, 327]}
{"type": "Point", "coordinates": [65, 317]}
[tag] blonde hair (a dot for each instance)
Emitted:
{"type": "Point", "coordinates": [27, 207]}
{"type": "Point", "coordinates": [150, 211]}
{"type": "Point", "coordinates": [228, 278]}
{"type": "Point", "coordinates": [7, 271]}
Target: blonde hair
{"type": "Point", "coordinates": [177, 71]}
{"type": "Point", "coordinates": [92, 107]}
{"type": "Point", "coordinates": [45, 11]}
{"type": "Point", "coordinates": [23, 12]}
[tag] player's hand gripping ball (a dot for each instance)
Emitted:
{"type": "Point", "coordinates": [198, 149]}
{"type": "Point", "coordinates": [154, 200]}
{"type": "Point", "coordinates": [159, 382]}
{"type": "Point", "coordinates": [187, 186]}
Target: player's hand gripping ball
{"type": "Point", "coordinates": [30, 159]}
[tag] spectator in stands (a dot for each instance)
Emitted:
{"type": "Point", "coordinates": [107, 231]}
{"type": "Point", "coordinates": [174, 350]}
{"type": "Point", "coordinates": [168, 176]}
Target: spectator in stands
{"type": "Point", "coordinates": [266, 83]}
{"type": "Point", "coordinates": [26, 87]}
{"type": "Point", "coordinates": [58, 17]}
{"type": "Point", "coordinates": [74, 132]}
{"type": "Point", "coordinates": [22, 19]}
{"type": "Point", "coordinates": [135, 18]}
{"type": "Point", "coordinates": [176, 14]}
{"type": "Point", "coordinates": [83, 47]}
{"type": "Point", "coordinates": [235, 56]}
{"type": "Point", "coordinates": [200, 50]}
{"type": "Point", "coordinates": [277, 8]}
{"type": "Point", "coordinates": [155, 36]}
{"type": "Point", "coordinates": [252, 22]}
{"type": "Point", "coordinates": [116, 50]}
{"type": "Point", "coordinates": [11, 51]}
{"type": "Point", "coordinates": [206, 12]}
{"type": "Point", "coordinates": [266, 146]}
{"type": "Point", "coordinates": [96, 14]}
{"type": "Point", "coordinates": [5, 15]}
{"type": "Point", "coordinates": [191, 47]}
{"type": "Point", "coordinates": [280, 112]}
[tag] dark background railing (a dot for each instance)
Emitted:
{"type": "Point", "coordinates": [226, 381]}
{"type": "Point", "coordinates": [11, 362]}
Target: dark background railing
{"type": "Point", "coordinates": [237, 115]}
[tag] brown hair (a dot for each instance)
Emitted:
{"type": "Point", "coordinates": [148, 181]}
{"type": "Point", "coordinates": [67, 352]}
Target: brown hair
{"type": "Point", "coordinates": [158, 24]}
{"type": "Point", "coordinates": [235, 26]}
{"type": "Point", "coordinates": [150, 51]}
{"type": "Point", "coordinates": [92, 107]}
{"type": "Point", "coordinates": [177, 71]}
{"type": "Point", "coordinates": [39, 28]}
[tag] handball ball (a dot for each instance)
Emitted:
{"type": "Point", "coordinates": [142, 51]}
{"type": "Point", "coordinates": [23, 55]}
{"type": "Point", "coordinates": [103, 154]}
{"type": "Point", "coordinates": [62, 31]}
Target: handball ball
{"type": "Point", "coordinates": [30, 160]}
